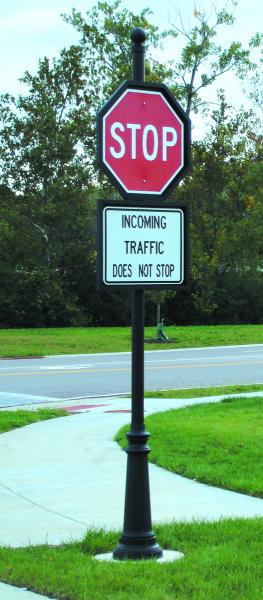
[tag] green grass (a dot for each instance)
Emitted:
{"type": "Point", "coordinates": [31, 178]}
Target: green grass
{"type": "Point", "coordinates": [202, 392]}
{"type": "Point", "coordinates": [219, 444]}
{"type": "Point", "coordinates": [222, 560]}
{"type": "Point", "coordinates": [19, 418]}
{"type": "Point", "coordinates": [82, 340]}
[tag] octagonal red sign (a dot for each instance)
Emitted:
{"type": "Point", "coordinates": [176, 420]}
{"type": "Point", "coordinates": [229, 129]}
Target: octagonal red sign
{"type": "Point", "coordinates": [144, 140]}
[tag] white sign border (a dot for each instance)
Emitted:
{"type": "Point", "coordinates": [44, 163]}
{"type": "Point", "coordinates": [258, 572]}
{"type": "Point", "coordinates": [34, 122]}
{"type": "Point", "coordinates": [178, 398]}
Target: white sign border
{"type": "Point", "coordinates": [143, 284]}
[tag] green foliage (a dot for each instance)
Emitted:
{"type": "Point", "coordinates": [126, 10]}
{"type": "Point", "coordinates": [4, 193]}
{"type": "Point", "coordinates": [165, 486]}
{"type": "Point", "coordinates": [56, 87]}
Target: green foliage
{"type": "Point", "coordinates": [224, 195]}
{"type": "Point", "coordinates": [203, 60]}
{"type": "Point", "coordinates": [48, 167]}
{"type": "Point", "coordinates": [105, 41]}
{"type": "Point", "coordinates": [19, 418]}
{"type": "Point", "coordinates": [41, 131]}
{"type": "Point", "coordinates": [50, 181]}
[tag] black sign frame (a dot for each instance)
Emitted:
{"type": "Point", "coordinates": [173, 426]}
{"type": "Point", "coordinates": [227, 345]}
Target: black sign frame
{"type": "Point", "coordinates": [101, 258]}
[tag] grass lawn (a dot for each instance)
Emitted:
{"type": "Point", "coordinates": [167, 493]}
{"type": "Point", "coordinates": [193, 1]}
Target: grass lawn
{"type": "Point", "coordinates": [219, 444]}
{"type": "Point", "coordinates": [10, 419]}
{"type": "Point", "coordinates": [202, 392]}
{"type": "Point", "coordinates": [222, 560]}
{"type": "Point", "coordinates": [85, 340]}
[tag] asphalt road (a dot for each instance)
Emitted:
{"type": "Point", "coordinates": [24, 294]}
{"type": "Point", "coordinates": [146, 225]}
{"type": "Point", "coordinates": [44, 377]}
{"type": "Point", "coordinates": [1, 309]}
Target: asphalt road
{"type": "Point", "coordinates": [82, 376]}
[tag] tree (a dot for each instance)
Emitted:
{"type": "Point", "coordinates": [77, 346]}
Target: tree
{"type": "Point", "coordinates": [225, 216]}
{"type": "Point", "coordinates": [105, 41]}
{"type": "Point", "coordinates": [48, 159]}
{"type": "Point", "coordinates": [44, 161]}
{"type": "Point", "coordinates": [203, 61]}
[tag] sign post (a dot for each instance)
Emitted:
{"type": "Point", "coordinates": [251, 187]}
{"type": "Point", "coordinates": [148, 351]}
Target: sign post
{"type": "Point", "coordinates": [144, 148]}
{"type": "Point", "coordinates": [137, 539]}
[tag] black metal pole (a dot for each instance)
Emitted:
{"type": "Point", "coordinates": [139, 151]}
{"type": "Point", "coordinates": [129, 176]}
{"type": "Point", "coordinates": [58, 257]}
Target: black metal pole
{"type": "Point", "coordinates": [137, 540]}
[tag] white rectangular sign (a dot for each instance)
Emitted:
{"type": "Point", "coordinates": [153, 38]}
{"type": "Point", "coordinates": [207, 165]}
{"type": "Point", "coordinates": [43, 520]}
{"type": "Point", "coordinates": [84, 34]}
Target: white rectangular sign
{"type": "Point", "coordinates": [142, 245]}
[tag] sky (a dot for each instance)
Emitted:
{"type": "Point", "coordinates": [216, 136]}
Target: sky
{"type": "Point", "coordinates": [31, 29]}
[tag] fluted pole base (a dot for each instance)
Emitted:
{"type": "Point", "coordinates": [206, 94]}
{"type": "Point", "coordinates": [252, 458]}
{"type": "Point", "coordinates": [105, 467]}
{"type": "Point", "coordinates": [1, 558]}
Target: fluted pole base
{"type": "Point", "coordinates": [137, 540]}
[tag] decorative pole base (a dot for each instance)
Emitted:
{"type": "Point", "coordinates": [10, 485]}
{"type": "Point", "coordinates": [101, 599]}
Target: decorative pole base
{"type": "Point", "coordinates": [137, 540]}
{"type": "Point", "coordinates": [144, 549]}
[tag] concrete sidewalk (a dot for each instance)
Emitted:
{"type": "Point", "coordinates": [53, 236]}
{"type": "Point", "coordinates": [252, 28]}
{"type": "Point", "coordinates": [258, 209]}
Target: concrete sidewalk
{"type": "Point", "coordinates": [10, 592]}
{"type": "Point", "coordinates": [62, 476]}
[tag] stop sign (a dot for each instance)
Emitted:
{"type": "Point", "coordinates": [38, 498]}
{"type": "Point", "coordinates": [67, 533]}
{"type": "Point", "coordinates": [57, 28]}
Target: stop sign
{"type": "Point", "coordinates": [143, 140]}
